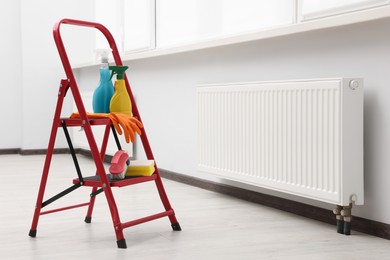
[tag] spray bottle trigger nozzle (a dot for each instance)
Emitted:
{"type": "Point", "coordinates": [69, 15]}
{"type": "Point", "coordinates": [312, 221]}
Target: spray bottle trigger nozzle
{"type": "Point", "coordinates": [118, 70]}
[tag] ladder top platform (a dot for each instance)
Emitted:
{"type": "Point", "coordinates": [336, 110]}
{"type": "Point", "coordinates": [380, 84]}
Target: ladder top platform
{"type": "Point", "coordinates": [79, 121]}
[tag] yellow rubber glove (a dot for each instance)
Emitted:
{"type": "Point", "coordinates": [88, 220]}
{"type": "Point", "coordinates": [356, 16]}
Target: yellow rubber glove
{"type": "Point", "coordinates": [123, 123]}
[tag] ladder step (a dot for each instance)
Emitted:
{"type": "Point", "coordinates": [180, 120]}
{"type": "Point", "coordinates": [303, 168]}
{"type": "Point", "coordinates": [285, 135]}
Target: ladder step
{"type": "Point", "coordinates": [94, 181]}
{"type": "Point", "coordinates": [64, 208]}
{"type": "Point", "coordinates": [148, 218]}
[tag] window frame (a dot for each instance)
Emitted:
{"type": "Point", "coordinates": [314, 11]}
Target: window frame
{"type": "Point", "coordinates": [338, 10]}
{"type": "Point", "coordinates": [363, 14]}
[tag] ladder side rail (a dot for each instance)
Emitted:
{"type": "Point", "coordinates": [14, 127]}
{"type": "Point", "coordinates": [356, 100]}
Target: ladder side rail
{"type": "Point", "coordinates": [144, 139]}
{"type": "Point", "coordinates": [83, 115]}
{"type": "Point", "coordinates": [64, 84]}
{"type": "Point", "coordinates": [95, 190]}
{"type": "Point", "coordinates": [74, 88]}
{"type": "Point", "coordinates": [145, 142]}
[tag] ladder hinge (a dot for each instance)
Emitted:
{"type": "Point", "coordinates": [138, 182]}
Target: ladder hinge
{"type": "Point", "coordinates": [64, 86]}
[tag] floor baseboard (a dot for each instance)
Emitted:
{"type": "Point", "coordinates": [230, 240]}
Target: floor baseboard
{"type": "Point", "coordinates": [32, 151]}
{"type": "Point", "coordinates": [9, 151]}
{"type": "Point", "coordinates": [363, 225]}
{"type": "Point", "coordinates": [107, 158]}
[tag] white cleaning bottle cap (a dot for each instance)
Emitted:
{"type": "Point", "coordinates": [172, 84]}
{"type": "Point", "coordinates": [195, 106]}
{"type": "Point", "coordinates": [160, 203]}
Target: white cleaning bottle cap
{"type": "Point", "coordinates": [101, 55]}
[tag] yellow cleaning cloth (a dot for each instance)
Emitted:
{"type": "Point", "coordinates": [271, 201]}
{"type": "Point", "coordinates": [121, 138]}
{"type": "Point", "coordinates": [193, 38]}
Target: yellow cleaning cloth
{"type": "Point", "coordinates": [140, 168]}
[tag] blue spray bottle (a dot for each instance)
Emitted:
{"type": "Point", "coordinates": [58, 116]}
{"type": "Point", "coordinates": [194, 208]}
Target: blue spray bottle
{"type": "Point", "coordinates": [105, 90]}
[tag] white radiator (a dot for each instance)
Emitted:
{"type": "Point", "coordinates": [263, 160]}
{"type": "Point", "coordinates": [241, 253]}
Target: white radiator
{"type": "Point", "coordinates": [299, 137]}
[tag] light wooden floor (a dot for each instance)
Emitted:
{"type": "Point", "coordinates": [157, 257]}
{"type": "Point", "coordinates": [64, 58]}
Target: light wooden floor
{"type": "Point", "coordinates": [214, 226]}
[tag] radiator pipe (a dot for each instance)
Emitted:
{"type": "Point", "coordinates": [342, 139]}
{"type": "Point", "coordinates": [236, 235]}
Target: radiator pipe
{"type": "Point", "coordinates": [339, 219]}
{"type": "Point", "coordinates": [346, 212]}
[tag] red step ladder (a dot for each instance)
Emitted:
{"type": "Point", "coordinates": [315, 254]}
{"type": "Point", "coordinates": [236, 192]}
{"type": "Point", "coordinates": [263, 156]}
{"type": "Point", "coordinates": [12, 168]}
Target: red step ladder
{"type": "Point", "coordinates": [101, 182]}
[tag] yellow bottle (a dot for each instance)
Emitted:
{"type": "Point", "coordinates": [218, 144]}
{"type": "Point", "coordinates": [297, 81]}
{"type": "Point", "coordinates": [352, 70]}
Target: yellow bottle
{"type": "Point", "coordinates": [120, 101]}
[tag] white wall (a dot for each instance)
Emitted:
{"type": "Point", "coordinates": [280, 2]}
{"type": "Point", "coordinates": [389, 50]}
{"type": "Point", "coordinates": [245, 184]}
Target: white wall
{"type": "Point", "coordinates": [31, 68]}
{"type": "Point", "coordinates": [11, 75]}
{"type": "Point", "coordinates": [165, 89]}
{"type": "Point", "coordinates": [42, 69]}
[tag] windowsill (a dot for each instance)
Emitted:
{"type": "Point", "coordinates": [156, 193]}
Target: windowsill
{"type": "Point", "coordinates": [318, 24]}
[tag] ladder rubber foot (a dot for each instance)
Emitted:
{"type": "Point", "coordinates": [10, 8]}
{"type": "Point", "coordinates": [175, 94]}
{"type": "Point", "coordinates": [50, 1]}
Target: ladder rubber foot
{"type": "Point", "coordinates": [88, 219]}
{"type": "Point", "coordinates": [176, 227]}
{"type": "Point", "coordinates": [347, 228]}
{"type": "Point", "coordinates": [340, 226]}
{"type": "Point", "coordinates": [32, 233]}
{"type": "Point", "coordinates": [121, 243]}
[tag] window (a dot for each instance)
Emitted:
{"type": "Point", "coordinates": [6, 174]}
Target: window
{"type": "Point", "coordinates": [139, 25]}
{"type": "Point", "coordinates": [180, 22]}
{"type": "Point", "coordinates": [108, 13]}
{"type": "Point", "coordinates": [130, 21]}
